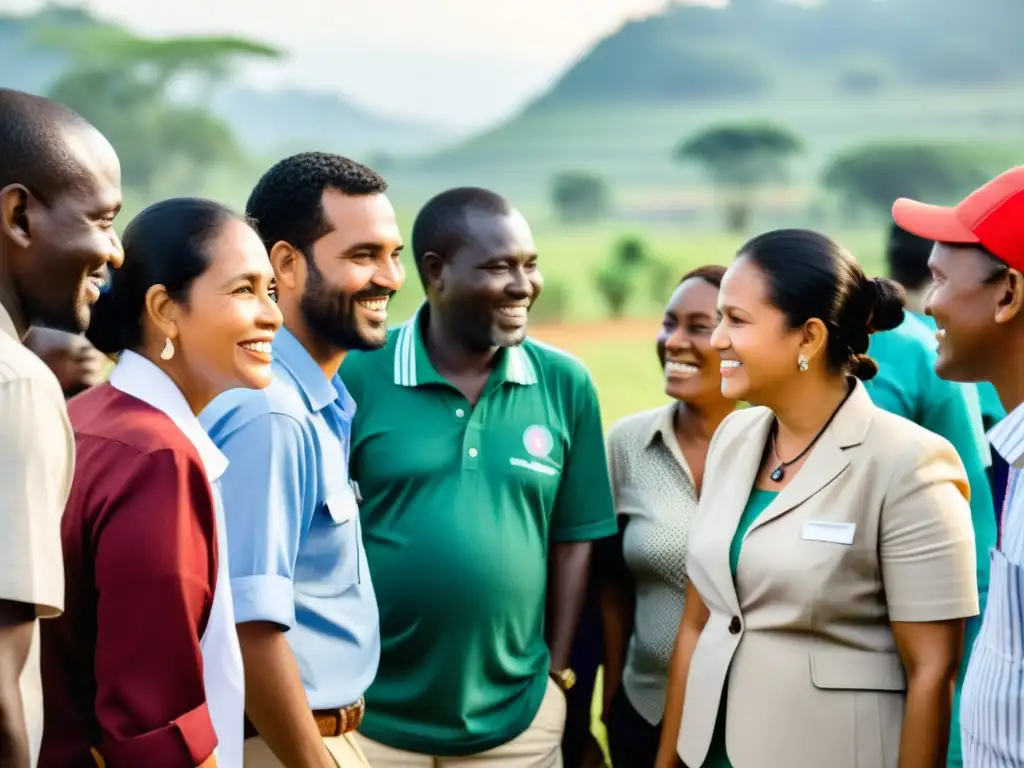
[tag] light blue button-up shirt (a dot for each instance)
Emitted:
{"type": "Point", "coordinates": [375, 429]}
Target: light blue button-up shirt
{"type": "Point", "coordinates": [294, 538]}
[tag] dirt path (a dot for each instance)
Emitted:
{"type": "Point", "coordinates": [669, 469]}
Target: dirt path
{"type": "Point", "coordinates": [570, 335]}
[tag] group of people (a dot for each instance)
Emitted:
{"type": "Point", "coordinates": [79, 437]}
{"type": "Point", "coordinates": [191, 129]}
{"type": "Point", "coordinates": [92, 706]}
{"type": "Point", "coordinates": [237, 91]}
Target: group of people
{"type": "Point", "coordinates": [282, 534]}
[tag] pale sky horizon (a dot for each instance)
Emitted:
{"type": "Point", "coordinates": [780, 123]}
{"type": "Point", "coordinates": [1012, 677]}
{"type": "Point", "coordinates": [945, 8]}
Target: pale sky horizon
{"type": "Point", "coordinates": [464, 63]}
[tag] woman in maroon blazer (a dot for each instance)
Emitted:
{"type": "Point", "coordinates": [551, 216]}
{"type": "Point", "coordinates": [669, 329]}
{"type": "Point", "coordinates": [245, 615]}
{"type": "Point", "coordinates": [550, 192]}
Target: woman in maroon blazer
{"type": "Point", "coordinates": [143, 668]}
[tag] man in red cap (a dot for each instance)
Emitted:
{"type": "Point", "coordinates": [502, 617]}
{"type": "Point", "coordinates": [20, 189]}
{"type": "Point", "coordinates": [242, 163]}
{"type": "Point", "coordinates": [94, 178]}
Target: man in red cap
{"type": "Point", "coordinates": [977, 301]}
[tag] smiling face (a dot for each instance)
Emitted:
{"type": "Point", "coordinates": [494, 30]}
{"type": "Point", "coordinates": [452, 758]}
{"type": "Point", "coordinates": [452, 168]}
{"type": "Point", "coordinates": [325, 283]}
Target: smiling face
{"type": "Point", "coordinates": [227, 323]}
{"type": "Point", "coordinates": [689, 362]}
{"type": "Point", "coordinates": [758, 350]}
{"type": "Point", "coordinates": [353, 271]}
{"type": "Point", "coordinates": [487, 286]}
{"type": "Point", "coordinates": [67, 243]}
{"type": "Point", "coordinates": [968, 293]}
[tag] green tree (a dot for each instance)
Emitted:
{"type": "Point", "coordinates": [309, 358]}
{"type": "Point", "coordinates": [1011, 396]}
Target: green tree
{"type": "Point", "coordinates": [123, 84]}
{"type": "Point", "coordinates": [872, 176]}
{"type": "Point", "coordinates": [740, 159]}
{"type": "Point", "coordinates": [616, 279]}
{"type": "Point", "coordinates": [579, 196]}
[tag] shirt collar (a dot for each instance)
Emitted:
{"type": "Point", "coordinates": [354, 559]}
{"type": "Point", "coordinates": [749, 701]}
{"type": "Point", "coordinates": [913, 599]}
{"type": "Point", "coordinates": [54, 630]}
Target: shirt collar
{"type": "Point", "coordinates": [663, 425]}
{"type": "Point", "coordinates": [7, 325]}
{"type": "Point", "coordinates": [318, 390]}
{"type": "Point", "coordinates": [412, 366]}
{"type": "Point", "coordinates": [1007, 437]}
{"type": "Point", "coordinates": [138, 377]}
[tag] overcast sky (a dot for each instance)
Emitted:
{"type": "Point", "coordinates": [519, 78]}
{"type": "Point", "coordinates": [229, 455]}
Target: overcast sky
{"type": "Point", "coordinates": [463, 62]}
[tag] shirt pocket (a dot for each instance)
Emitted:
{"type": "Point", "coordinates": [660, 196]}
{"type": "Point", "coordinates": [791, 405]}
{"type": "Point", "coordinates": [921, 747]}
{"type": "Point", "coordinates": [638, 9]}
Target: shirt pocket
{"type": "Point", "coordinates": [332, 561]}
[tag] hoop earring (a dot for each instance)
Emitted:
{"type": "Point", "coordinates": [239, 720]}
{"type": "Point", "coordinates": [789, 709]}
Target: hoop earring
{"type": "Point", "coordinates": [168, 351]}
{"type": "Point", "coordinates": [801, 361]}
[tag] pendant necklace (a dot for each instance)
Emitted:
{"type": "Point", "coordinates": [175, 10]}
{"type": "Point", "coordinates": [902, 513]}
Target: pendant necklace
{"type": "Point", "coordinates": [780, 471]}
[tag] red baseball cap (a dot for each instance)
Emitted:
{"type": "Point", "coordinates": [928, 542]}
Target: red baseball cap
{"type": "Point", "coordinates": [991, 216]}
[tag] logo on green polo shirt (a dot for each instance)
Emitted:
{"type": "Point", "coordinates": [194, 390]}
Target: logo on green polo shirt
{"type": "Point", "coordinates": [538, 441]}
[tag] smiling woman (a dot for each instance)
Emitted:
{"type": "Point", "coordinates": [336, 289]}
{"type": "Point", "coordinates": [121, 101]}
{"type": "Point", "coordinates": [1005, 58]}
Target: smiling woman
{"type": "Point", "coordinates": [657, 465]}
{"type": "Point", "coordinates": [834, 636]}
{"type": "Point", "coordinates": [190, 314]}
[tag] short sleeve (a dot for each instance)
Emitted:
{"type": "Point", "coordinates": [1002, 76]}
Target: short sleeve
{"type": "Point", "coordinates": [155, 565]}
{"type": "Point", "coordinates": [615, 465]}
{"type": "Point", "coordinates": [583, 508]}
{"type": "Point", "coordinates": [266, 512]}
{"type": "Point", "coordinates": [926, 540]}
{"type": "Point", "coordinates": [36, 465]}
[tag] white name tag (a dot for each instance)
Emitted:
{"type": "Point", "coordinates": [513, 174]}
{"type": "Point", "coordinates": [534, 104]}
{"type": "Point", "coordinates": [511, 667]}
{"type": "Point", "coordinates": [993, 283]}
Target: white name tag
{"type": "Point", "coordinates": [834, 533]}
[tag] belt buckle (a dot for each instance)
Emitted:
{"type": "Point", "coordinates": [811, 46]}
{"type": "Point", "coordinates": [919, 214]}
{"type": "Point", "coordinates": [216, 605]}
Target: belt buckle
{"type": "Point", "coordinates": [351, 716]}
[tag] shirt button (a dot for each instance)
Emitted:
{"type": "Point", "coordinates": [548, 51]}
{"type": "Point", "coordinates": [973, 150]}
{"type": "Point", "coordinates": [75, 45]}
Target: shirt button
{"type": "Point", "coordinates": [735, 625]}
{"type": "Point", "coordinates": [473, 453]}
{"type": "Point", "coordinates": [459, 412]}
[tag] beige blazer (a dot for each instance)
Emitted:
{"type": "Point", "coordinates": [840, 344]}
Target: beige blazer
{"type": "Point", "coordinates": [874, 528]}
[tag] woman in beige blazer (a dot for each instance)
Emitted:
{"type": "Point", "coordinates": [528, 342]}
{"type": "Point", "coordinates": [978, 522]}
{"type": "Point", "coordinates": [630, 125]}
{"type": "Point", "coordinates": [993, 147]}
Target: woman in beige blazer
{"type": "Point", "coordinates": [832, 559]}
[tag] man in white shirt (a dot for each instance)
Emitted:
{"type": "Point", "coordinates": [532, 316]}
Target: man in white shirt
{"type": "Point", "coordinates": [60, 189]}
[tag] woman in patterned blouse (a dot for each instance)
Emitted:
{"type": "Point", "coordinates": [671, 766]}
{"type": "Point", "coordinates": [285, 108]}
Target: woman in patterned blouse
{"type": "Point", "coordinates": [657, 462]}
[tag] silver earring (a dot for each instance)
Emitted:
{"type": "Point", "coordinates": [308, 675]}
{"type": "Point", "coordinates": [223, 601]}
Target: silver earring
{"type": "Point", "coordinates": [168, 351]}
{"type": "Point", "coordinates": [801, 362]}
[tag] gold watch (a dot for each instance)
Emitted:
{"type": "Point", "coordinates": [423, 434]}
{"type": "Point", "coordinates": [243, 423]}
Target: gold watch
{"type": "Point", "coordinates": [564, 678]}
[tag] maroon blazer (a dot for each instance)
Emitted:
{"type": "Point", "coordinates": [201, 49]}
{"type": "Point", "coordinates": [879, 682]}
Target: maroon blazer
{"type": "Point", "coordinates": [122, 670]}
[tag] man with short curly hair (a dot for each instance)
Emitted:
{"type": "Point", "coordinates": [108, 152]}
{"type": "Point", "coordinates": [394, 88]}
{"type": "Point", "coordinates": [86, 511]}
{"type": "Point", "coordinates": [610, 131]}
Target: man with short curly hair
{"type": "Point", "coordinates": [304, 603]}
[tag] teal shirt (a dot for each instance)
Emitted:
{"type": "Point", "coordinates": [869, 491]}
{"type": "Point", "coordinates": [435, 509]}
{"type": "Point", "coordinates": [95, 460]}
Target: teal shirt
{"type": "Point", "coordinates": [756, 504]}
{"type": "Point", "coordinates": [908, 386]}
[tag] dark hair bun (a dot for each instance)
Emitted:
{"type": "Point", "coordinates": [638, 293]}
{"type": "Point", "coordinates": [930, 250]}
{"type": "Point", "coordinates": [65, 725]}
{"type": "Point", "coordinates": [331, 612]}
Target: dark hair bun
{"type": "Point", "coordinates": [108, 331]}
{"type": "Point", "coordinates": [863, 367]}
{"type": "Point", "coordinates": [888, 305]}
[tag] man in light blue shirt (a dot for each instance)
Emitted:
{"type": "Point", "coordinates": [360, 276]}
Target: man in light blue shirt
{"type": "Point", "coordinates": [304, 603]}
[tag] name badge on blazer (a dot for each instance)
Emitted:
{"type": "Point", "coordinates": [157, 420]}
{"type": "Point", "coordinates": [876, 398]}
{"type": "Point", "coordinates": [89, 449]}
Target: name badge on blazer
{"type": "Point", "coordinates": [833, 533]}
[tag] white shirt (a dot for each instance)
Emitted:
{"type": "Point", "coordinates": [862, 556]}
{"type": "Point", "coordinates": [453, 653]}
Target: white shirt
{"type": "Point", "coordinates": [37, 461]}
{"type": "Point", "coordinates": [223, 676]}
{"type": "Point", "coordinates": [992, 702]}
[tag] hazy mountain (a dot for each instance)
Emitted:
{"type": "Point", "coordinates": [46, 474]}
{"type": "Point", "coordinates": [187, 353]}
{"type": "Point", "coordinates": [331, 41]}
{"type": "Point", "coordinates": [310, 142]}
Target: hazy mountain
{"type": "Point", "coordinates": [841, 72]}
{"type": "Point", "coordinates": [266, 122]}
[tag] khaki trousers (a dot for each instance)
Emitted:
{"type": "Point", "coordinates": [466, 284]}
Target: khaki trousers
{"type": "Point", "coordinates": [539, 746]}
{"type": "Point", "coordinates": [343, 749]}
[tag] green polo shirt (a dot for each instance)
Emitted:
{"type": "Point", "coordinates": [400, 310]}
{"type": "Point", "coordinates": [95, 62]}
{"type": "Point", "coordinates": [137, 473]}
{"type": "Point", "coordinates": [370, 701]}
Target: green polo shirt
{"type": "Point", "coordinates": [459, 506]}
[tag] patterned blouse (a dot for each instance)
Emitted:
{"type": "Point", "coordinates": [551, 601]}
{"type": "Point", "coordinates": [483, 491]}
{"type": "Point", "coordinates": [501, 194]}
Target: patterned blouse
{"type": "Point", "coordinates": [656, 500]}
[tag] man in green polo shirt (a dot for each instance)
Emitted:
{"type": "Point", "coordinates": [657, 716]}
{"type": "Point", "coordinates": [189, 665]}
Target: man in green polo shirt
{"type": "Point", "coordinates": [479, 457]}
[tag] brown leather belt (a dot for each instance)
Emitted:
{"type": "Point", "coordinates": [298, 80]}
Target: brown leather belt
{"type": "Point", "coordinates": [330, 722]}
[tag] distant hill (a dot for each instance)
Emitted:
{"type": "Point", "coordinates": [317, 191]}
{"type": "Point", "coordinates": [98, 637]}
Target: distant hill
{"type": "Point", "coordinates": [753, 46]}
{"type": "Point", "coordinates": [843, 72]}
{"type": "Point", "coordinates": [265, 122]}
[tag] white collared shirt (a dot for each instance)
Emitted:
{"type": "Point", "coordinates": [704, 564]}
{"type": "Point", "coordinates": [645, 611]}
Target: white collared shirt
{"type": "Point", "coordinates": [223, 675]}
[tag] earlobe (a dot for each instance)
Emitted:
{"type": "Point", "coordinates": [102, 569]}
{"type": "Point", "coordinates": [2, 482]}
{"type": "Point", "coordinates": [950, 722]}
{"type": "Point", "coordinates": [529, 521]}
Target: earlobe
{"type": "Point", "coordinates": [1012, 302]}
{"type": "Point", "coordinates": [815, 338]}
{"type": "Point", "coordinates": [14, 211]}
{"type": "Point", "coordinates": [284, 258]}
{"type": "Point", "coordinates": [162, 312]}
{"type": "Point", "coordinates": [433, 270]}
